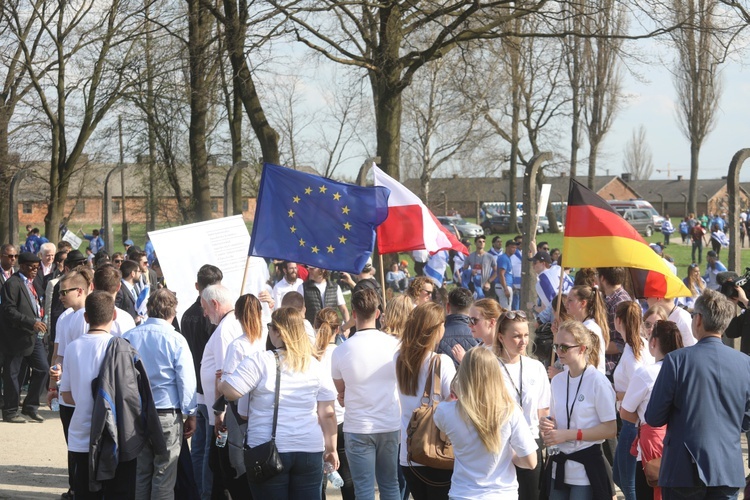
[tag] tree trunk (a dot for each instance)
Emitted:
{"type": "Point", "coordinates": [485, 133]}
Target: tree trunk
{"type": "Point", "coordinates": [236, 133]}
{"type": "Point", "coordinates": [695, 152]}
{"type": "Point", "coordinates": [5, 178]}
{"type": "Point", "coordinates": [200, 21]}
{"type": "Point", "coordinates": [152, 196]}
{"type": "Point", "coordinates": [593, 151]}
{"type": "Point", "coordinates": [59, 182]}
{"type": "Point", "coordinates": [388, 127]}
{"type": "Point", "coordinates": [574, 144]}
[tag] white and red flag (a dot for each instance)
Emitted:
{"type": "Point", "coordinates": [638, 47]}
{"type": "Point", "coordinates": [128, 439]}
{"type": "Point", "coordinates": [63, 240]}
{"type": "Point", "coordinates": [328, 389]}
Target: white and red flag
{"type": "Point", "coordinates": [410, 224]}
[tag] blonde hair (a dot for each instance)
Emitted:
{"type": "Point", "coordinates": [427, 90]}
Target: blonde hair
{"type": "Point", "coordinates": [497, 347]}
{"type": "Point", "coordinates": [289, 323]}
{"type": "Point", "coordinates": [483, 399]}
{"type": "Point", "coordinates": [584, 337]}
{"type": "Point", "coordinates": [488, 308]}
{"type": "Point", "coordinates": [396, 314]}
{"type": "Point", "coordinates": [629, 313]}
{"type": "Point", "coordinates": [595, 309]}
{"type": "Point", "coordinates": [326, 326]}
{"type": "Point", "coordinates": [695, 282]}
{"type": "Point", "coordinates": [421, 336]}
{"type": "Point", "coordinates": [248, 312]}
{"type": "Point", "coordinates": [657, 310]}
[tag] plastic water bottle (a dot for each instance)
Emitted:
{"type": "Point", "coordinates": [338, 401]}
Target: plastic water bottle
{"type": "Point", "coordinates": [554, 449]}
{"type": "Point", "coordinates": [333, 476]}
{"type": "Point", "coordinates": [221, 439]}
{"type": "Point", "coordinates": [54, 405]}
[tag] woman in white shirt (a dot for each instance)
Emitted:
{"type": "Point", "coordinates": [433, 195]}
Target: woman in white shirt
{"type": "Point", "coordinates": [695, 283]}
{"type": "Point", "coordinates": [665, 338]}
{"type": "Point", "coordinates": [527, 382]}
{"type": "Point", "coordinates": [422, 333]}
{"type": "Point", "coordinates": [306, 429]}
{"type": "Point", "coordinates": [586, 304]}
{"type": "Point", "coordinates": [483, 316]}
{"type": "Point", "coordinates": [635, 355]}
{"type": "Point", "coordinates": [582, 416]}
{"type": "Point", "coordinates": [327, 326]}
{"type": "Point", "coordinates": [488, 430]}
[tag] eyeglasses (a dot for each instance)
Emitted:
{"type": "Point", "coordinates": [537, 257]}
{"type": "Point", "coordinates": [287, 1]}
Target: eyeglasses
{"type": "Point", "coordinates": [544, 249]}
{"type": "Point", "coordinates": [118, 261]}
{"type": "Point", "coordinates": [563, 348]}
{"type": "Point", "coordinates": [649, 325]}
{"type": "Point", "coordinates": [473, 321]}
{"type": "Point", "coordinates": [429, 292]}
{"type": "Point", "coordinates": [65, 292]}
{"type": "Point", "coordinates": [31, 268]}
{"type": "Point", "coordinates": [12, 256]}
{"type": "Point", "coordinates": [270, 326]}
{"type": "Point", "coordinates": [511, 315]}
{"type": "Point", "coordinates": [694, 314]}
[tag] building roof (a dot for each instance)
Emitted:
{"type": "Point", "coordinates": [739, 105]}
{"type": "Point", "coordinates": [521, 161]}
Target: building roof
{"type": "Point", "coordinates": [672, 189]}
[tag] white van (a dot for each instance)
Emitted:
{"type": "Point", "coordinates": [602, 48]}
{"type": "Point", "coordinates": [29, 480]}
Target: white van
{"type": "Point", "coordinates": [622, 205]}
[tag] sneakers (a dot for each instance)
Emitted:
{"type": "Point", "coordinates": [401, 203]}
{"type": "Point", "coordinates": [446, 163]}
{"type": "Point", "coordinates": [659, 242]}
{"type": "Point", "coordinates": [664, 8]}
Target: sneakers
{"type": "Point", "coordinates": [16, 418]}
{"type": "Point", "coordinates": [34, 416]}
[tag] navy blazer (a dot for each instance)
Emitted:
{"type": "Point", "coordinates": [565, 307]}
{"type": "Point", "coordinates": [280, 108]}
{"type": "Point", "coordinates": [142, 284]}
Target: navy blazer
{"type": "Point", "coordinates": [703, 395]}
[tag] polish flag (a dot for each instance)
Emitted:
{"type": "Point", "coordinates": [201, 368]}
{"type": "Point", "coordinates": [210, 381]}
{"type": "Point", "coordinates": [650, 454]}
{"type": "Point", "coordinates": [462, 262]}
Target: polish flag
{"type": "Point", "coordinates": [410, 224]}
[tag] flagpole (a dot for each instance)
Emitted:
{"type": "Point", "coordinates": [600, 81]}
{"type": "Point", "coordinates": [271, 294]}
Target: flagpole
{"type": "Point", "coordinates": [244, 276]}
{"type": "Point", "coordinates": [382, 279]}
{"type": "Point", "coordinates": [557, 311]}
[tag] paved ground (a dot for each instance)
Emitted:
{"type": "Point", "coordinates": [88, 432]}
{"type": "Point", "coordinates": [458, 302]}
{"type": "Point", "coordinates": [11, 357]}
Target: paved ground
{"type": "Point", "coordinates": [33, 460]}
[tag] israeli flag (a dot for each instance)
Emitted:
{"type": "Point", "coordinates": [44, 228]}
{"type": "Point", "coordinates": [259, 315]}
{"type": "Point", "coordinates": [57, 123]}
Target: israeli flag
{"type": "Point", "coordinates": [142, 301]}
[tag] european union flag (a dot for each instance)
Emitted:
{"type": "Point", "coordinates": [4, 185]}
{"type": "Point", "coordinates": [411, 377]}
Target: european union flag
{"type": "Point", "coordinates": [316, 221]}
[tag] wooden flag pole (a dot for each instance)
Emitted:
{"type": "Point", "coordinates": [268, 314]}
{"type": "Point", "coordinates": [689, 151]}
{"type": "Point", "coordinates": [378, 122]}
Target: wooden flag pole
{"type": "Point", "coordinates": [244, 276]}
{"type": "Point", "coordinates": [557, 311]}
{"type": "Point", "coordinates": [382, 278]}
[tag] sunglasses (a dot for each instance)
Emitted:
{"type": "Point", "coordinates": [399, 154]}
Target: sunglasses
{"type": "Point", "coordinates": [270, 326]}
{"type": "Point", "coordinates": [511, 315]}
{"type": "Point", "coordinates": [118, 261]}
{"type": "Point", "coordinates": [473, 321]}
{"type": "Point", "coordinates": [65, 292]}
{"type": "Point", "coordinates": [562, 348]}
{"type": "Point", "coordinates": [13, 256]}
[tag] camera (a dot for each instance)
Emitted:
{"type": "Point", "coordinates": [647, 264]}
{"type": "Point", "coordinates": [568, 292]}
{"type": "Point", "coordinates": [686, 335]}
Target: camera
{"type": "Point", "coordinates": [730, 280]}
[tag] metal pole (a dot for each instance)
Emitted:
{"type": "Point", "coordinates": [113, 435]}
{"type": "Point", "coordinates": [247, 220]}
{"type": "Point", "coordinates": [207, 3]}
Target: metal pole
{"type": "Point", "coordinates": [109, 237]}
{"type": "Point", "coordinates": [530, 208]}
{"type": "Point", "coordinates": [231, 174]}
{"type": "Point", "coordinates": [733, 189]}
{"type": "Point", "coordinates": [13, 205]}
{"type": "Point", "coordinates": [125, 228]}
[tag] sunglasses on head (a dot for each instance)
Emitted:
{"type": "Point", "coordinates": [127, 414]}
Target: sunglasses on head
{"type": "Point", "coordinates": [512, 315]}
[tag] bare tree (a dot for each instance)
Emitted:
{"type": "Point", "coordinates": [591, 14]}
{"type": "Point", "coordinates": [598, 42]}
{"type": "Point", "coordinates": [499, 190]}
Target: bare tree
{"type": "Point", "coordinates": [288, 109]}
{"type": "Point", "coordinates": [638, 160]}
{"type": "Point", "coordinates": [601, 75]}
{"type": "Point", "coordinates": [696, 78]}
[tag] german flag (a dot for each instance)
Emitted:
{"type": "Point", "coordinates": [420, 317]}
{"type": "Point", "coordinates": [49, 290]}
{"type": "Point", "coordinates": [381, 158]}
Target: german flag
{"type": "Point", "coordinates": [597, 236]}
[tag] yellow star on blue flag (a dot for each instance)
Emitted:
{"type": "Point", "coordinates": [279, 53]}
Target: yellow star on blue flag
{"type": "Point", "coordinates": [298, 219]}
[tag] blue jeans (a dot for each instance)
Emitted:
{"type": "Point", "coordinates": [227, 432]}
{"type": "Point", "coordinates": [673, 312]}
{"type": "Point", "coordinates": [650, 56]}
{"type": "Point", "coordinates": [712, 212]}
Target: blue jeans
{"type": "Point", "coordinates": [302, 477]}
{"type": "Point", "coordinates": [371, 457]}
{"type": "Point", "coordinates": [623, 468]}
{"type": "Point", "coordinates": [198, 445]}
{"type": "Point", "coordinates": [516, 301]}
{"type": "Point", "coordinates": [700, 492]}
{"type": "Point", "coordinates": [572, 493]}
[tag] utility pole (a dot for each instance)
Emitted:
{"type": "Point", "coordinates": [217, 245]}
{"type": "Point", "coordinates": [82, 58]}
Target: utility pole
{"type": "Point", "coordinates": [125, 229]}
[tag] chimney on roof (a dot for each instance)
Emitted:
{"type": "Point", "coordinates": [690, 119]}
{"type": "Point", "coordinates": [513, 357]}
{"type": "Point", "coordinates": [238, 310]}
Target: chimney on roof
{"type": "Point", "coordinates": [563, 174]}
{"type": "Point", "coordinates": [505, 174]}
{"type": "Point", "coordinates": [455, 176]}
{"type": "Point", "coordinates": [679, 177]}
{"type": "Point", "coordinates": [625, 176]}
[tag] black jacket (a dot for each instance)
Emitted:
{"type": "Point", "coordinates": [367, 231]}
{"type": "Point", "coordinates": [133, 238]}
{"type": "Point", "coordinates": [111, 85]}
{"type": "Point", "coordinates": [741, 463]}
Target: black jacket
{"type": "Point", "coordinates": [124, 417]}
{"type": "Point", "coordinates": [457, 331]}
{"type": "Point", "coordinates": [17, 334]}
{"type": "Point", "coordinates": [124, 300]}
{"type": "Point", "coordinates": [739, 327]}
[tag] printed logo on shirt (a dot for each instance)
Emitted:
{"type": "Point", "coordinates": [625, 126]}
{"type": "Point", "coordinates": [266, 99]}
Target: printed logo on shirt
{"type": "Point", "coordinates": [581, 397]}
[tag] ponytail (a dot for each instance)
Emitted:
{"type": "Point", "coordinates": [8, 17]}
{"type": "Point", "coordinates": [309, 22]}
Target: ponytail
{"type": "Point", "coordinates": [326, 325]}
{"type": "Point", "coordinates": [593, 349]}
{"type": "Point", "coordinates": [596, 308]}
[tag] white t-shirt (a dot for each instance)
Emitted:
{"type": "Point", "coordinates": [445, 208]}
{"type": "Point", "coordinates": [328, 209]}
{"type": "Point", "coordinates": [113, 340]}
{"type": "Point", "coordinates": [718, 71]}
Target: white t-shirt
{"type": "Point", "coordinates": [239, 349]}
{"type": "Point", "coordinates": [535, 391]}
{"type": "Point", "coordinates": [325, 360]}
{"type": "Point", "coordinates": [628, 365]}
{"type": "Point", "coordinates": [81, 365]}
{"type": "Point", "coordinates": [365, 364]}
{"type": "Point", "coordinates": [594, 327]}
{"type": "Point", "coordinates": [69, 328]}
{"type": "Point", "coordinates": [283, 287]}
{"type": "Point", "coordinates": [592, 405]}
{"type": "Point", "coordinates": [213, 358]}
{"type": "Point", "coordinates": [477, 473]}
{"type": "Point", "coordinates": [684, 323]}
{"type": "Point", "coordinates": [124, 322]}
{"type": "Point", "coordinates": [322, 289]}
{"type": "Point", "coordinates": [411, 403]}
{"type": "Point", "coordinates": [297, 428]}
{"type": "Point", "coordinates": [639, 392]}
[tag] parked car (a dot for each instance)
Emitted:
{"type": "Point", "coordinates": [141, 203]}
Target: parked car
{"type": "Point", "coordinates": [465, 229]}
{"type": "Point", "coordinates": [543, 226]}
{"type": "Point", "coordinates": [499, 224]}
{"type": "Point", "coordinates": [640, 219]}
{"type": "Point", "coordinates": [620, 205]}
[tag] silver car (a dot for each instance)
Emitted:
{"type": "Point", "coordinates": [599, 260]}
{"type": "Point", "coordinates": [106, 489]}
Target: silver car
{"type": "Point", "coordinates": [465, 229]}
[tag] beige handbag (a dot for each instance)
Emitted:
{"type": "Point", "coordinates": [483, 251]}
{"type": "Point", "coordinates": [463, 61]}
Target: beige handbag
{"type": "Point", "coordinates": [425, 443]}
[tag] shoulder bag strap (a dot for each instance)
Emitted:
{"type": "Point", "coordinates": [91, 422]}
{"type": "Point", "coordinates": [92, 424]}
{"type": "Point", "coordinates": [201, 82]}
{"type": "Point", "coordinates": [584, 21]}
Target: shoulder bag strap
{"type": "Point", "coordinates": [426, 396]}
{"type": "Point", "coordinates": [437, 386]}
{"type": "Point", "coordinates": [276, 396]}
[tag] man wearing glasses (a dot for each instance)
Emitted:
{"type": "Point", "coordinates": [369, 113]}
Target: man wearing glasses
{"type": "Point", "coordinates": [24, 328]}
{"type": "Point", "coordinates": [8, 257]}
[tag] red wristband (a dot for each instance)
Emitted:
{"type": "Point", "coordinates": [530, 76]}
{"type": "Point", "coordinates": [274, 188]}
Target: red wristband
{"type": "Point", "coordinates": [579, 436]}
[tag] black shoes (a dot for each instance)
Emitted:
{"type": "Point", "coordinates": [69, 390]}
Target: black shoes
{"type": "Point", "coordinates": [34, 416]}
{"type": "Point", "coordinates": [16, 418]}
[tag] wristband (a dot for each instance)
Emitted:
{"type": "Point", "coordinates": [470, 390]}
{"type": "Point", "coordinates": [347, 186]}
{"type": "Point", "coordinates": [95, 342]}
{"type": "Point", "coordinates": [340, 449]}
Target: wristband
{"type": "Point", "coordinates": [52, 389]}
{"type": "Point", "coordinates": [579, 436]}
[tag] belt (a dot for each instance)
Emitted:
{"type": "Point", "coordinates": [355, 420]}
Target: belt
{"type": "Point", "coordinates": [169, 411]}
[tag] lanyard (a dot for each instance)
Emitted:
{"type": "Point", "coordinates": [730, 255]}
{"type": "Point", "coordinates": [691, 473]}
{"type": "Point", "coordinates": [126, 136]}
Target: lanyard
{"type": "Point", "coordinates": [519, 390]}
{"type": "Point", "coordinates": [569, 407]}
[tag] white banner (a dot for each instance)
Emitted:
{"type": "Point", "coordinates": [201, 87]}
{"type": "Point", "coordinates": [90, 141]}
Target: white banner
{"type": "Point", "coordinates": [544, 200]}
{"type": "Point", "coordinates": [223, 243]}
{"type": "Point", "coordinates": [71, 238]}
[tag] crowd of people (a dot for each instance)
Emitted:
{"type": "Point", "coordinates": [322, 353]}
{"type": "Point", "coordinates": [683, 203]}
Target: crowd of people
{"type": "Point", "coordinates": [641, 394]}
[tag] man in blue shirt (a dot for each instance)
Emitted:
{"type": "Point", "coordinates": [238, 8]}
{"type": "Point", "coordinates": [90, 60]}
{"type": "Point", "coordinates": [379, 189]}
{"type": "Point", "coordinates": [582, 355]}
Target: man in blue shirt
{"type": "Point", "coordinates": [166, 356]}
{"type": "Point", "coordinates": [713, 268]}
{"type": "Point", "coordinates": [504, 287]}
